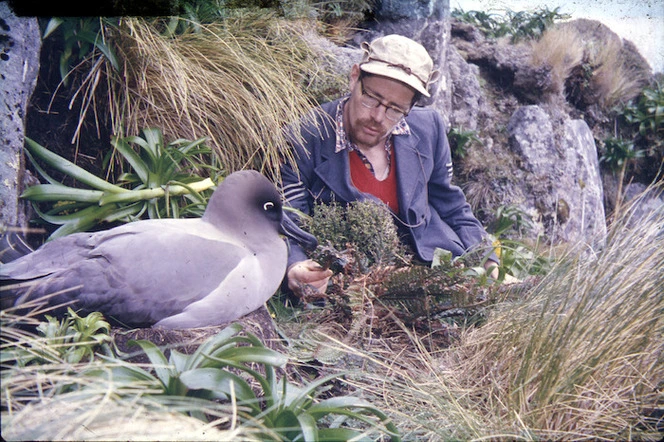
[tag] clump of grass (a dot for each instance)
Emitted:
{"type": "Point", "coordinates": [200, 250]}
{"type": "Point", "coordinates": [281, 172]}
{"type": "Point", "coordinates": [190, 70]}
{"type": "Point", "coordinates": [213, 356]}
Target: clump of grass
{"type": "Point", "coordinates": [612, 80]}
{"type": "Point", "coordinates": [580, 356]}
{"type": "Point", "coordinates": [560, 48]}
{"type": "Point", "coordinates": [605, 77]}
{"type": "Point", "coordinates": [237, 82]}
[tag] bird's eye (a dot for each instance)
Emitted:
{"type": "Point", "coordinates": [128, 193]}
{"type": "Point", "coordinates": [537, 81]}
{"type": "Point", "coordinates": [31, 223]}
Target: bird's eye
{"type": "Point", "coordinates": [268, 206]}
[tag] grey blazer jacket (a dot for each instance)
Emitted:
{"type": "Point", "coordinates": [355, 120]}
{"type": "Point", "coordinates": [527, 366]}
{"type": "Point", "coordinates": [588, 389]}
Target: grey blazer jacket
{"type": "Point", "coordinates": [434, 212]}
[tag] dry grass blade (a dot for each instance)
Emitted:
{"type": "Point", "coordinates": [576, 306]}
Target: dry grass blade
{"type": "Point", "coordinates": [582, 356]}
{"type": "Point", "coordinates": [238, 83]}
{"type": "Point", "coordinates": [561, 49]}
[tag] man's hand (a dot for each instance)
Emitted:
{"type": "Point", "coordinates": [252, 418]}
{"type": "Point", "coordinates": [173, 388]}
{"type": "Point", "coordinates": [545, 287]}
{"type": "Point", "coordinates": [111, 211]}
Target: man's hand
{"type": "Point", "coordinates": [310, 273]}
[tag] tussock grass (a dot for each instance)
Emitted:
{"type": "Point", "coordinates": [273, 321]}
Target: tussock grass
{"type": "Point", "coordinates": [613, 80]}
{"type": "Point", "coordinates": [596, 71]}
{"type": "Point", "coordinates": [579, 356]}
{"type": "Point", "coordinates": [237, 82]}
{"type": "Point", "coordinates": [109, 412]}
{"type": "Point", "coordinates": [562, 50]}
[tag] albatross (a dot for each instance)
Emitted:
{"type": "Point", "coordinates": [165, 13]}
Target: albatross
{"type": "Point", "coordinates": [170, 273]}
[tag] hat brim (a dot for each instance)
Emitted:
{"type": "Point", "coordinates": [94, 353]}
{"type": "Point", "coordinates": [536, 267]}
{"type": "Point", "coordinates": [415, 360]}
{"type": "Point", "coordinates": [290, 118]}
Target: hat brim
{"type": "Point", "coordinates": [395, 73]}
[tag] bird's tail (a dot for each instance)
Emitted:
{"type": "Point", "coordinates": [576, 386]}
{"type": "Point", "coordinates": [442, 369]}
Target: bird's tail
{"type": "Point", "coordinates": [13, 245]}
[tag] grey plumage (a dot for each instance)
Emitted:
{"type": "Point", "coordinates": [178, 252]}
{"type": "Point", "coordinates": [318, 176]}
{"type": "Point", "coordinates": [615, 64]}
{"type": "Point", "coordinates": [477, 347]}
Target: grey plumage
{"type": "Point", "coordinates": [173, 273]}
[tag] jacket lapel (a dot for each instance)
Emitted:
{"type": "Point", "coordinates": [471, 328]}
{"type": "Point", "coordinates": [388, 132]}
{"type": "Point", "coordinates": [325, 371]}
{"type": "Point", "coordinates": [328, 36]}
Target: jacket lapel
{"type": "Point", "coordinates": [334, 171]}
{"type": "Point", "coordinates": [410, 168]}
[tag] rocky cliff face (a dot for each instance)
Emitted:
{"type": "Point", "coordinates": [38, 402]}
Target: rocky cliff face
{"type": "Point", "coordinates": [541, 140]}
{"type": "Point", "coordinates": [19, 64]}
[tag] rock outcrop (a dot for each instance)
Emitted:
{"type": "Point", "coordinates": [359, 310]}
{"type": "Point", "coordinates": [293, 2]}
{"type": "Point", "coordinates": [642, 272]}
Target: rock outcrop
{"type": "Point", "coordinates": [561, 175]}
{"type": "Point", "coordinates": [20, 43]}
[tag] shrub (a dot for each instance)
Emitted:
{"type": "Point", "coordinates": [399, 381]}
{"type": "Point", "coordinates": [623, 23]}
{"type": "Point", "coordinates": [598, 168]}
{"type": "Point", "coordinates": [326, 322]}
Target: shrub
{"type": "Point", "coordinates": [646, 112]}
{"type": "Point", "coordinates": [617, 153]}
{"type": "Point", "coordinates": [365, 226]}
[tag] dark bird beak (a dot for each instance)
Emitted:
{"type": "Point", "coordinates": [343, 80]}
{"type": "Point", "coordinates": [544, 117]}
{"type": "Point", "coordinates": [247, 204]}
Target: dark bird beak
{"type": "Point", "coordinates": [294, 232]}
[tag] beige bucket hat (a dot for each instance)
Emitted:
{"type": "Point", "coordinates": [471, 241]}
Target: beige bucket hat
{"type": "Point", "coordinates": [402, 59]}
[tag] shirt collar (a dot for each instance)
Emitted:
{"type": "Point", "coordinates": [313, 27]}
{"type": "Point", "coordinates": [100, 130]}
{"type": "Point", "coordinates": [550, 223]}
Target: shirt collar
{"type": "Point", "coordinates": [343, 142]}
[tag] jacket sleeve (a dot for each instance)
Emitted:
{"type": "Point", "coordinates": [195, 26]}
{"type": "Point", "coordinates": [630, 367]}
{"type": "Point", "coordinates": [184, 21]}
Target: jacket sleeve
{"type": "Point", "coordinates": [447, 199]}
{"type": "Point", "coordinates": [295, 181]}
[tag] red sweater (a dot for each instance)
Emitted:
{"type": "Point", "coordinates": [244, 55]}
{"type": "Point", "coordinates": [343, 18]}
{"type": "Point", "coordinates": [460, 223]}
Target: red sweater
{"type": "Point", "coordinates": [366, 182]}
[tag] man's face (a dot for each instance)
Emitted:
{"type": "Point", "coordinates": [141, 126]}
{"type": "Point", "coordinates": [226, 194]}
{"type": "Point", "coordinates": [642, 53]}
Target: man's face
{"type": "Point", "coordinates": [368, 127]}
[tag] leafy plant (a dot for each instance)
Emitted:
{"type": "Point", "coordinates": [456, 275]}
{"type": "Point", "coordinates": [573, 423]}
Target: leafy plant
{"type": "Point", "coordinates": [516, 257]}
{"type": "Point", "coordinates": [286, 412]}
{"type": "Point", "coordinates": [618, 152]}
{"type": "Point", "coordinates": [161, 174]}
{"type": "Point", "coordinates": [228, 368]}
{"type": "Point", "coordinates": [461, 140]}
{"type": "Point", "coordinates": [70, 339]}
{"type": "Point", "coordinates": [81, 36]}
{"type": "Point", "coordinates": [511, 217]}
{"type": "Point", "coordinates": [518, 25]}
{"type": "Point", "coordinates": [647, 113]}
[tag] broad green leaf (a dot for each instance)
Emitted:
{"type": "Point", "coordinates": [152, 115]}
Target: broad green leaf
{"type": "Point", "coordinates": [40, 170]}
{"type": "Point", "coordinates": [188, 145]}
{"type": "Point", "coordinates": [155, 143]}
{"type": "Point", "coordinates": [287, 424]}
{"type": "Point", "coordinates": [96, 40]}
{"type": "Point", "coordinates": [218, 380]}
{"type": "Point", "coordinates": [338, 434]}
{"type": "Point", "coordinates": [134, 160]}
{"type": "Point", "coordinates": [305, 394]}
{"type": "Point", "coordinates": [259, 355]}
{"type": "Point", "coordinates": [178, 360]}
{"type": "Point", "coordinates": [76, 222]}
{"type": "Point", "coordinates": [345, 405]}
{"type": "Point", "coordinates": [69, 168]}
{"type": "Point", "coordinates": [131, 196]}
{"type": "Point", "coordinates": [124, 213]}
{"type": "Point", "coordinates": [121, 371]}
{"type": "Point", "coordinates": [53, 24]}
{"type": "Point", "coordinates": [58, 192]}
{"type": "Point", "coordinates": [157, 359]}
{"type": "Point", "coordinates": [212, 344]}
{"type": "Point", "coordinates": [308, 427]}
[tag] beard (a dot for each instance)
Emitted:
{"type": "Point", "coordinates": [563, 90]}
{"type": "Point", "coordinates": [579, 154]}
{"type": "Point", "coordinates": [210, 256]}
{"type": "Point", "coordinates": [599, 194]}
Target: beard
{"type": "Point", "coordinates": [368, 133]}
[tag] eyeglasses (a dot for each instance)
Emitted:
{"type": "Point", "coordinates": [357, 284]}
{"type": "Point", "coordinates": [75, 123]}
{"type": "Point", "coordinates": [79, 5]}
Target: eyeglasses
{"type": "Point", "coordinates": [370, 101]}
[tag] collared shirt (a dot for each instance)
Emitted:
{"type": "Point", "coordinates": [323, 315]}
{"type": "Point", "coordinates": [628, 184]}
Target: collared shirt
{"type": "Point", "coordinates": [344, 143]}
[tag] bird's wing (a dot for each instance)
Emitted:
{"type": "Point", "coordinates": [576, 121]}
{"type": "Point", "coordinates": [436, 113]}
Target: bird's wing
{"type": "Point", "coordinates": [141, 279]}
{"type": "Point", "coordinates": [141, 273]}
{"type": "Point", "coordinates": [248, 286]}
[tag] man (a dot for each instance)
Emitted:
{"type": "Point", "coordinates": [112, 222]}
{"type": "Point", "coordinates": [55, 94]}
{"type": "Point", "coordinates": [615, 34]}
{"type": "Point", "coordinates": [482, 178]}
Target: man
{"type": "Point", "coordinates": [375, 144]}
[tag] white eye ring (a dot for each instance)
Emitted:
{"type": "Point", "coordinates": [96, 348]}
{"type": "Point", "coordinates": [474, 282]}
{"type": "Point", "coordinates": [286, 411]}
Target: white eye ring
{"type": "Point", "coordinates": [269, 205]}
